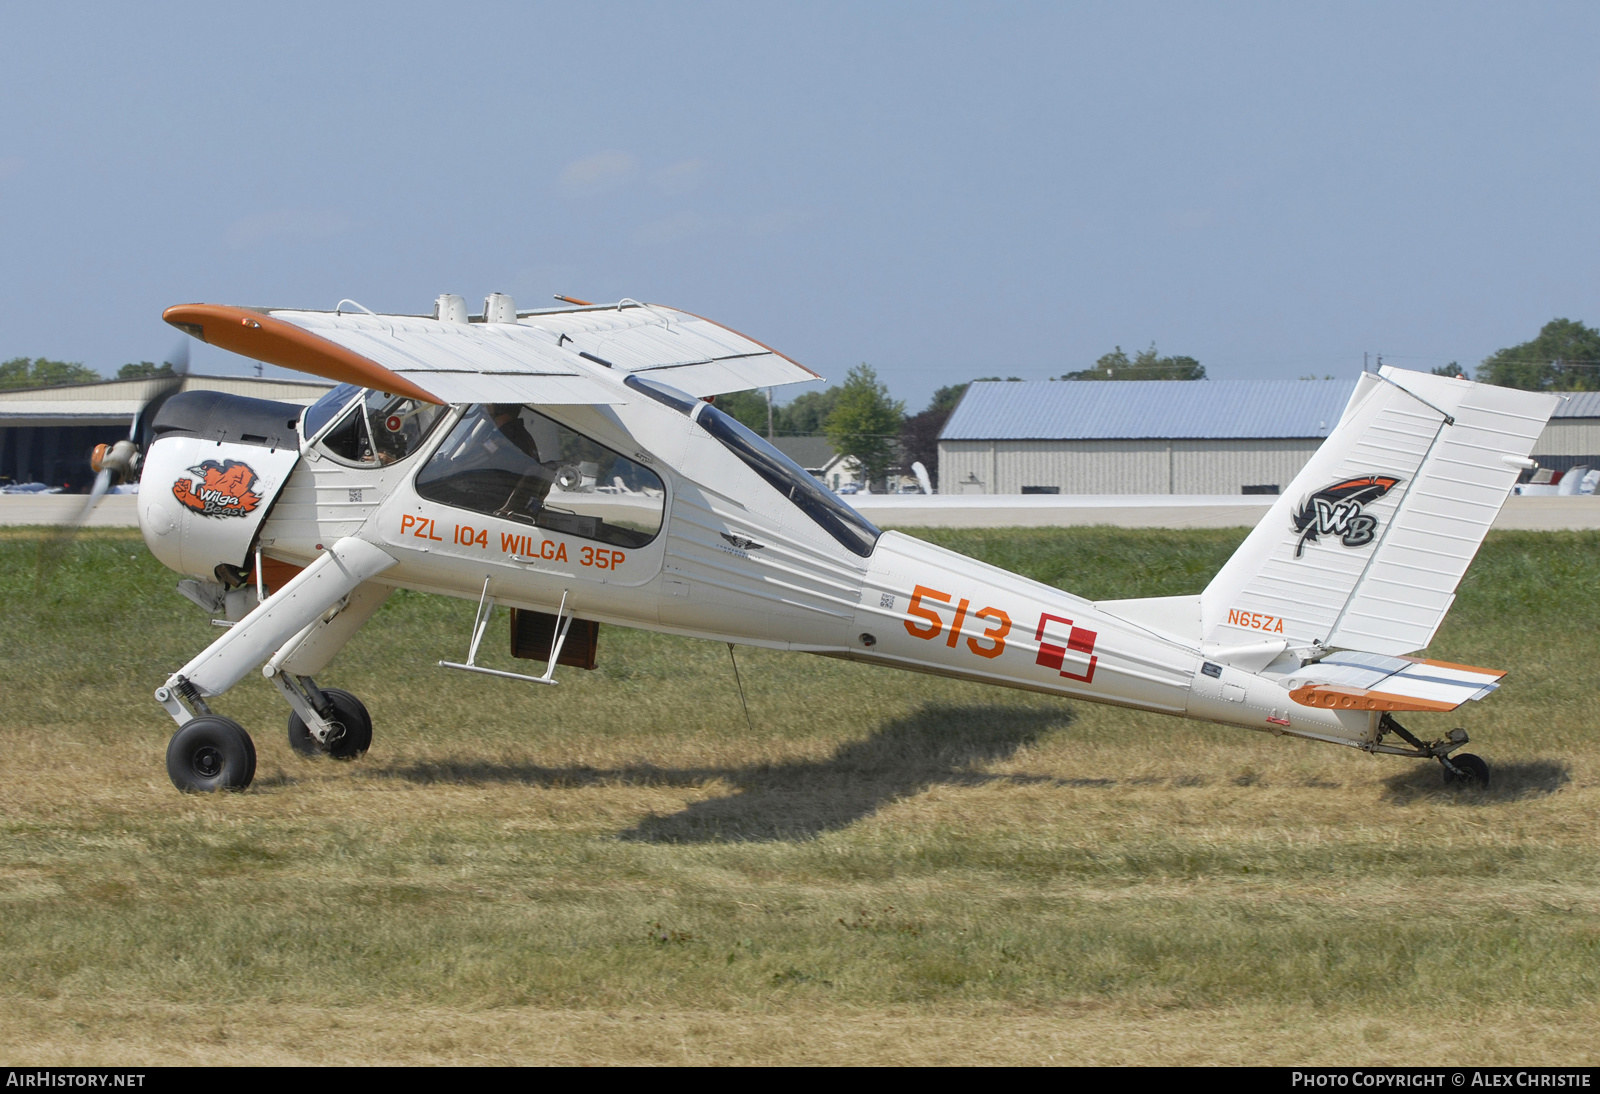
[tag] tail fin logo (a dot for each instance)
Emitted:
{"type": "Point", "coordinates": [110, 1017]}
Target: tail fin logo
{"type": "Point", "coordinates": [224, 489]}
{"type": "Point", "coordinates": [1337, 510]}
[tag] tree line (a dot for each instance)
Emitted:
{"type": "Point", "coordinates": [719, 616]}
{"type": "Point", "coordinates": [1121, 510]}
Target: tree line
{"type": "Point", "coordinates": [1564, 357]}
{"type": "Point", "coordinates": [22, 372]}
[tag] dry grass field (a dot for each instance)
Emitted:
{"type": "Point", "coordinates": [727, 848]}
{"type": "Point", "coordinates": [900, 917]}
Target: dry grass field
{"type": "Point", "coordinates": [889, 868]}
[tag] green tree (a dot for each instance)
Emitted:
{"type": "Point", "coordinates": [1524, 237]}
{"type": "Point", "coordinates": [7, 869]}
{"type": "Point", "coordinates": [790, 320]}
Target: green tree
{"type": "Point", "coordinates": [919, 434]}
{"type": "Point", "coordinates": [1147, 365]}
{"type": "Point", "coordinates": [1565, 357]}
{"type": "Point", "coordinates": [865, 422]}
{"type": "Point", "coordinates": [140, 370]}
{"type": "Point", "coordinates": [43, 372]}
{"type": "Point", "coordinates": [749, 407]}
{"type": "Point", "coordinates": [947, 398]}
{"type": "Point", "coordinates": [808, 413]}
{"type": "Point", "coordinates": [1451, 370]}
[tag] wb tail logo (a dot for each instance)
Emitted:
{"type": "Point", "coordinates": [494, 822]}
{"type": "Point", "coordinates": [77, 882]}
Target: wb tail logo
{"type": "Point", "coordinates": [225, 489]}
{"type": "Point", "coordinates": [1337, 511]}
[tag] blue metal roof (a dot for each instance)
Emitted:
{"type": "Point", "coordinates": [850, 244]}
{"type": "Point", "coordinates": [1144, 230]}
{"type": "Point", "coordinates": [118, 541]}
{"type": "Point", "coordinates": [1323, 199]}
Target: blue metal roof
{"type": "Point", "coordinates": [1063, 410]}
{"type": "Point", "coordinates": [1578, 404]}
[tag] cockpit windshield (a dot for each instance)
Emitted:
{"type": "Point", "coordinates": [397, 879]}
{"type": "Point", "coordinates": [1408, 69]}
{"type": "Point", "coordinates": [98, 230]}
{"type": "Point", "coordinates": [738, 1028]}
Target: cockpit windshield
{"type": "Point", "coordinates": [853, 531]}
{"type": "Point", "coordinates": [321, 412]}
{"type": "Point", "coordinates": [371, 426]}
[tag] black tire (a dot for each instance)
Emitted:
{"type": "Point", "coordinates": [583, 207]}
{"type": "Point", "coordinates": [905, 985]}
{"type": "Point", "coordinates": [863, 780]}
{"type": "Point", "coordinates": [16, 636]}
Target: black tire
{"type": "Point", "coordinates": [211, 753]}
{"type": "Point", "coordinates": [1474, 773]}
{"type": "Point", "coordinates": [349, 712]}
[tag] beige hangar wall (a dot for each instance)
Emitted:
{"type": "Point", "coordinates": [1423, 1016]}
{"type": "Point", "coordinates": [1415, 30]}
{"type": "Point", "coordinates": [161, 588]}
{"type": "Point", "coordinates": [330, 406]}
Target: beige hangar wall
{"type": "Point", "coordinates": [1121, 466]}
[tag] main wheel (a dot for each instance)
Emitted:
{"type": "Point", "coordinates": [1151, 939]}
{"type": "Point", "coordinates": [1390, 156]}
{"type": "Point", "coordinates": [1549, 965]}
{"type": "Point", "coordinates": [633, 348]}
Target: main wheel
{"type": "Point", "coordinates": [349, 712]}
{"type": "Point", "coordinates": [1474, 772]}
{"type": "Point", "coordinates": [211, 753]}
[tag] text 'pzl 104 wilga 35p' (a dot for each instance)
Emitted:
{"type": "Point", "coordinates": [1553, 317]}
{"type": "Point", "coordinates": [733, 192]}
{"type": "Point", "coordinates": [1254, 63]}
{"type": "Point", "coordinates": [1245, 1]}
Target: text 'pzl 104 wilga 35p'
{"type": "Point", "coordinates": [568, 463]}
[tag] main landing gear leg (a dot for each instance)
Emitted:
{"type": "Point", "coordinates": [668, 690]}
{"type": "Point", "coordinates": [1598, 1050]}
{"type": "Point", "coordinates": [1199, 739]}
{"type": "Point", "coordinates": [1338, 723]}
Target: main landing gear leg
{"type": "Point", "coordinates": [209, 752]}
{"type": "Point", "coordinates": [325, 721]}
{"type": "Point", "coordinates": [213, 753]}
{"type": "Point", "coordinates": [1462, 769]}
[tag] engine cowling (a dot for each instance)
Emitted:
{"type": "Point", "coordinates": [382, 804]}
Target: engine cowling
{"type": "Point", "coordinates": [217, 464]}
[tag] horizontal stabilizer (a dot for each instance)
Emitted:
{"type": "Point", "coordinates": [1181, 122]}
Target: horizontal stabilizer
{"type": "Point", "coordinates": [1371, 681]}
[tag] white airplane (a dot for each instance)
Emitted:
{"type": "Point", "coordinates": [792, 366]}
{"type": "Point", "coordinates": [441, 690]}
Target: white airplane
{"type": "Point", "coordinates": [569, 464]}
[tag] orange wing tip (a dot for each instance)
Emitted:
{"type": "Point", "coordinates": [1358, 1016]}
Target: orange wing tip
{"type": "Point", "coordinates": [253, 334]}
{"type": "Point", "coordinates": [1328, 698]}
{"type": "Point", "coordinates": [1497, 673]}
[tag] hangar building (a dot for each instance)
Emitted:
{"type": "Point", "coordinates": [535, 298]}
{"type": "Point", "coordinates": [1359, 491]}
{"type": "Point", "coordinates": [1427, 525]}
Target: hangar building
{"type": "Point", "coordinates": [1573, 435]}
{"type": "Point", "coordinates": [1136, 436]}
{"type": "Point", "coordinates": [1172, 437]}
{"type": "Point", "coordinates": [47, 433]}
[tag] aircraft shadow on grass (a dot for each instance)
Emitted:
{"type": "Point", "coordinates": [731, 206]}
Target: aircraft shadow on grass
{"type": "Point", "coordinates": [803, 799]}
{"type": "Point", "coordinates": [1507, 782]}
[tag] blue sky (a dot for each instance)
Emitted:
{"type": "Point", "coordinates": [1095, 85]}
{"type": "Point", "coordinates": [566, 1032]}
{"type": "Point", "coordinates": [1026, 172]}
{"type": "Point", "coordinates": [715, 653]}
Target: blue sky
{"type": "Point", "coordinates": [944, 191]}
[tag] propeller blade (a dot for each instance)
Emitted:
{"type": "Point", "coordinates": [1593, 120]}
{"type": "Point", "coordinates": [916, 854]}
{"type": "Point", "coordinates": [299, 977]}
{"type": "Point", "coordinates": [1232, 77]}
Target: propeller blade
{"type": "Point", "coordinates": [53, 547]}
{"type": "Point", "coordinates": [140, 432]}
{"type": "Point", "coordinates": [124, 464]}
{"type": "Point", "coordinates": [102, 485]}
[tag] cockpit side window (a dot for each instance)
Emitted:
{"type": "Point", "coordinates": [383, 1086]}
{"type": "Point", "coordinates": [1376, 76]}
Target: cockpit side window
{"type": "Point", "coordinates": [514, 463]}
{"type": "Point", "coordinates": [853, 531]}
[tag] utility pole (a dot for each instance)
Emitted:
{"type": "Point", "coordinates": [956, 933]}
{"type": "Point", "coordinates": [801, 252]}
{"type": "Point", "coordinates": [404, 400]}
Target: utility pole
{"type": "Point", "coordinates": [769, 414]}
{"type": "Point", "coordinates": [1364, 367]}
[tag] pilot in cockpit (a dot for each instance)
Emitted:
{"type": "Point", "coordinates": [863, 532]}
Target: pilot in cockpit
{"type": "Point", "coordinates": [528, 495]}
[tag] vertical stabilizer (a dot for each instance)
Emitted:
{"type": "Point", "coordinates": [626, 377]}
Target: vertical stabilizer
{"type": "Point", "coordinates": [1365, 548]}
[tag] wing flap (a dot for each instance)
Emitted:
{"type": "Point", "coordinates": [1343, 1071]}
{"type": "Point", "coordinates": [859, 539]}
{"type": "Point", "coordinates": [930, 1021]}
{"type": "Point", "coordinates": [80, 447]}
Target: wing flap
{"type": "Point", "coordinates": [695, 355]}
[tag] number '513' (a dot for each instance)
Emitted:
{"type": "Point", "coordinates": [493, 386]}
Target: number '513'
{"type": "Point", "coordinates": [994, 635]}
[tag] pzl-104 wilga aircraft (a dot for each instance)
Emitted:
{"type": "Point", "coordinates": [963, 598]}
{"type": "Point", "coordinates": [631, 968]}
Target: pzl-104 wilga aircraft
{"type": "Point", "coordinates": [569, 464]}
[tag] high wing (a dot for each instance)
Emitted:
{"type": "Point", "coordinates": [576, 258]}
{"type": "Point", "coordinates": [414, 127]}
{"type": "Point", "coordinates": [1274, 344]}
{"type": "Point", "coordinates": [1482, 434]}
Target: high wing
{"type": "Point", "coordinates": [544, 357]}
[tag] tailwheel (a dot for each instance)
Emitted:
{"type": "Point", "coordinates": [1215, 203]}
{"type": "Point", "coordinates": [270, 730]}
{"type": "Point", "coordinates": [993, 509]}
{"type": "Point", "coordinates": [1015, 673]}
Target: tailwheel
{"type": "Point", "coordinates": [352, 729]}
{"type": "Point", "coordinates": [1470, 771]}
{"type": "Point", "coordinates": [211, 753]}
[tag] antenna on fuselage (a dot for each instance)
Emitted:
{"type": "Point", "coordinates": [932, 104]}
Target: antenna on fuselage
{"type": "Point", "coordinates": [748, 723]}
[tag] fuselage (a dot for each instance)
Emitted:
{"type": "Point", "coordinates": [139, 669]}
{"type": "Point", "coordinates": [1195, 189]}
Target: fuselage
{"type": "Point", "coordinates": [655, 512]}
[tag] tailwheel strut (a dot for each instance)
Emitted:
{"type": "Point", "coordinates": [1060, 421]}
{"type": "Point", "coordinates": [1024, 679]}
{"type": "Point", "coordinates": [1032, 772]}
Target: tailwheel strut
{"type": "Point", "coordinates": [1463, 769]}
